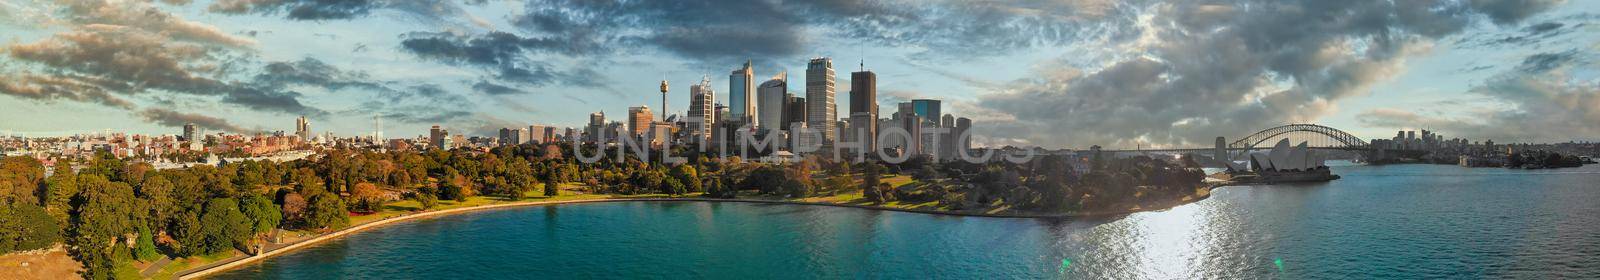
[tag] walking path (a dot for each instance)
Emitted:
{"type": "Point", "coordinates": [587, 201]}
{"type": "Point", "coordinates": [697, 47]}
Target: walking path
{"type": "Point", "coordinates": [155, 267]}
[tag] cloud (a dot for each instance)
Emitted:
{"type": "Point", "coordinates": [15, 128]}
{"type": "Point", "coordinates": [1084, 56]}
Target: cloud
{"type": "Point", "coordinates": [172, 118]}
{"type": "Point", "coordinates": [486, 87]}
{"type": "Point", "coordinates": [47, 87]}
{"type": "Point", "coordinates": [1228, 69]}
{"type": "Point", "coordinates": [298, 9]}
{"type": "Point", "coordinates": [431, 11]}
{"type": "Point", "coordinates": [1539, 103]}
{"type": "Point", "coordinates": [1544, 62]}
{"type": "Point", "coordinates": [1510, 12]}
{"type": "Point", "coordinates": [143, 16]}
{"type": "Point", "coordinates": [132, 61]}
{"type": "Point", "coordinates": [312, 72]}
{"type": "Point", "coordinates": [506, 54]}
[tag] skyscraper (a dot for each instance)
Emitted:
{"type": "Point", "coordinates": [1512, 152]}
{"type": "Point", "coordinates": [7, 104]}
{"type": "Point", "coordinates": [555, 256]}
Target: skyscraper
{"type": "Point", "coordinates": [302, 128]}
{"type": "Point", "coordinates": [597, 122]}
{"type": "Point", "coordinates": [702, 115]}
{"type": "Point", "coordinates": [794, 113]}
{"type": "Point", "coordinates": [864, 107]}
{"type": "Point", "coordinates": [820, 111]}
{"type": "Point", "coordinates": [639, 120]}
{"type": "Point", "coordinates": [508, 136]}
{"type": "Point", "coordinates": [437, 137]}
{"type": "Point", "coordinates": [928, 109]}
{"type": "Point", "coordinates": [740, 88]}
{"type": "Point", "coordinates": [771, 97]}
{"type": "Point", "coordinates": [536, 134]}
{"type": "Point", "coordinates": [190, 132]}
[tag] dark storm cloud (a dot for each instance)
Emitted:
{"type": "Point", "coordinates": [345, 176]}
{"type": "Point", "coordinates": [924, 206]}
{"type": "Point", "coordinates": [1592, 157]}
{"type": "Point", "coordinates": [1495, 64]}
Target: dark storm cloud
{"type": "Point", "coordinates": [1230, 68]}
{"type": "Point", "coordinates": [175, 119]}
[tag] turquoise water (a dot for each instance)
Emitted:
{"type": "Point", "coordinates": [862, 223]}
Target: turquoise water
{"type": "Point", "coordinates": [1401, 221]}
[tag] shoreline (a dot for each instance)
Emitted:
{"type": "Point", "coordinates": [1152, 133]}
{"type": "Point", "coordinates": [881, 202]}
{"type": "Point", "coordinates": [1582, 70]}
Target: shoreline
{"type": "Point", "coordinates": [223, 267]}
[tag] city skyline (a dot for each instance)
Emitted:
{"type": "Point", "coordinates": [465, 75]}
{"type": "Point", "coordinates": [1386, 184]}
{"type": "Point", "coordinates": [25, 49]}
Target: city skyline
{"type": "Point", "coordinates": [1058, 75]}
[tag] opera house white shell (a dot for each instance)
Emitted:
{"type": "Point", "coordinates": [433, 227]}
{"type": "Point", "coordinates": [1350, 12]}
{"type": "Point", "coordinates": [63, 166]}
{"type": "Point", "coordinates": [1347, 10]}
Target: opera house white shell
{"type": "Point", "coordinates": [1283, 157]}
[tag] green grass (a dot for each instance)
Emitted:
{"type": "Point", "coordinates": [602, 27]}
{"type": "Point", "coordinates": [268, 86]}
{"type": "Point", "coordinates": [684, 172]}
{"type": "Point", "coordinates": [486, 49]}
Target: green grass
{"type": "Point", "coordinates": [126, 270]}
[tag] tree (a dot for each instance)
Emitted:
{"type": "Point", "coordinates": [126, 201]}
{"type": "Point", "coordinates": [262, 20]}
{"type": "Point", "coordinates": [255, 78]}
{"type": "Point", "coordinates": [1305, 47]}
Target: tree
{"type": "Point", "coordinates": [366, 197]}
{"type": "Point", "coordinates": [326, 211]}
{"type": "Point", "coordinates": [105, 211]}
{"type": "Point", "coordinates": [156, 192]}
{"type": "Point", "coordinates": [187, 230]}
{"type": "Point", "coordinates": [767, 179]}
{"type": "Point", "coordinates": [688, 176]}
{"type": "Point", "coordinates": [60, 188]}
{"type": "Point", "coordinates": [294, 208]}
{"type": "Point", "coordinates": [263, 215]}
{"type": "Point", "coordinates": [26, 227]}
{"type": "Point", "coordinates": [426, 198]}
{"type": "Point", "coordinates": [672, 187]}
{"type": "Point", "coordinates": [20, 179]}
{"type": "Point", "coordinates": [452, 191]}
{"type": "Point", "coordinates": [552, 189]}
{"type": "Point", "coordinates": [796, 189]}
{"type": "Point", "coordinates": [222, 226]}
{"type": "Point", "coordinates": [869, 182]}
{"type": "Point", "coordinates": [145, 247]}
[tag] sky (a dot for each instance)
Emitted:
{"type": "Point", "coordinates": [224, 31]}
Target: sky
{"type": "Point", "coordinates": [1052, 73]}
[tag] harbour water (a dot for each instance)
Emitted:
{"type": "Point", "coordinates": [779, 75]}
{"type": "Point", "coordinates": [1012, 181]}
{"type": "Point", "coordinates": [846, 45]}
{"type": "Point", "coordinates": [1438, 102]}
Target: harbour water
{"type": "Point", "coordinates": [1378, 222]}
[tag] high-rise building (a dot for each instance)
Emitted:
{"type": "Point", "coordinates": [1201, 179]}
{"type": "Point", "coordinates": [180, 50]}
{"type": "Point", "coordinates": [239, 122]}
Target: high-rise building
{"type": "Point", "coordinates": [864, 107]}
{"type": "Point", "coordinates": [597, 122]}
{"type": "Point", "coordinates": [905, 109]}
{"type": "Point", "coordinates": [702, 106]}
{"type": "Point", "coordinates": [820, 110]}
{"type": "Point", "coordinates": [190, 132]}
{"type": "Point", "coordinates": [794, 112]}
{"type": "Point", "coordinates": [302, 128]}
{"type": "Point", "coordinates": [772, 95]}
{"type": "Point", "coordinates": [438, 138]}
{"type": "Point", "coordinates": [963, 126]}
{"type": "Point", "coordinates": [928, 109]}
{"type": "Point", "coordinates": [742, 107]}
{"type": "Point", "coordinates": [508, 136]}
{"type": "Point", "coordinates": [639, 120]}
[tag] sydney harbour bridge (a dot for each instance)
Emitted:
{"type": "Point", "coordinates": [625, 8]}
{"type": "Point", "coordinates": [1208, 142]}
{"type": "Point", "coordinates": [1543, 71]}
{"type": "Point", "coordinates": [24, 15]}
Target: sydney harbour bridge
{"type": "Point", "coordinates": [1315, 136]}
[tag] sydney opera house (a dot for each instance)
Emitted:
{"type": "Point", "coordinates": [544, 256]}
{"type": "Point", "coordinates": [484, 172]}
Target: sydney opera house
{"type": "Point", "coordinates": [1284, 163]}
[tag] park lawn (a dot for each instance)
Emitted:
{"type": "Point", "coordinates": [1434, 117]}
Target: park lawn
{"type": "Point", "coordinates": [126, 270]}
{"type": "Point", "coordinates": [403, 207]}
{"type": "Point", "coordinates": [896, 181]}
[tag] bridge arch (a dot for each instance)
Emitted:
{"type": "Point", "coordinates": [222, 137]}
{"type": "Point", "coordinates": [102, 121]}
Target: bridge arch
{"type": "Point", "coordinates": [1341, 139]}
